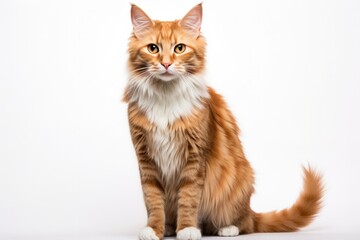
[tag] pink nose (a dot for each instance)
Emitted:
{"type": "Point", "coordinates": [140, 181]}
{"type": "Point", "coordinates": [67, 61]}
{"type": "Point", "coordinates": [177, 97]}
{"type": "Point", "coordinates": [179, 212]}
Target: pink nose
{"type": "Point", "coordinates": [166, 65]}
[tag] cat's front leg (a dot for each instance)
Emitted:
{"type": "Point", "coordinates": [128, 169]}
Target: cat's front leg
{"type": "Point", "coordinates": [152, 188]}
{"type": "Point", "coordinates": [154, 201]}
{"type": "Point", "coordinates": [191, 184]}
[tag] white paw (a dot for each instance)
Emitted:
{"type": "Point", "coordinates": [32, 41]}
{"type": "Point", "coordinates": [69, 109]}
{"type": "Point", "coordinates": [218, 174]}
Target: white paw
{"type": "Point", "coordinates": [189, 233]}
{"type": "Point", "coordinates": [229, 231]}
{"type": "Point", "coordinates": [148, 234]}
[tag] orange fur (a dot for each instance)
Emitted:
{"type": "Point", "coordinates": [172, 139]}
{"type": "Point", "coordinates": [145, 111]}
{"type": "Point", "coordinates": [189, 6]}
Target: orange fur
{"type": "Point", "coordinates": [212, 183]}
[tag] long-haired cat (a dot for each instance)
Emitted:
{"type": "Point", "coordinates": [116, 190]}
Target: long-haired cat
{"type": "Point", "coordinates": [194, 174]}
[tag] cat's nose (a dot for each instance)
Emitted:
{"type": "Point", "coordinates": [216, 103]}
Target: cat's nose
{"type": "Point", "coordinates": [166, 65]}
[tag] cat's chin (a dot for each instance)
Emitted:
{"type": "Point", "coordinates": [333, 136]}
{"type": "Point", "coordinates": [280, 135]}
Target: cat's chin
{"type": "Point", "coordinates": [167, 77]}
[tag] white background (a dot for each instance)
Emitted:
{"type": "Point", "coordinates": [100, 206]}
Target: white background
{"type": "Point", "coordinates": [290, 71]}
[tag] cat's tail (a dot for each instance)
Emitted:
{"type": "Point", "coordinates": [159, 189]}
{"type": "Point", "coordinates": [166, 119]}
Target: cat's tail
{"type": "Point", "coordinates": [298, 215]}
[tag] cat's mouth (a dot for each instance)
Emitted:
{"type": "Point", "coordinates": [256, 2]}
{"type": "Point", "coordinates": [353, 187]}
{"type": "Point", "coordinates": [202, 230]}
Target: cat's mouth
{"type": "Point", "coordinates": [167, 74]}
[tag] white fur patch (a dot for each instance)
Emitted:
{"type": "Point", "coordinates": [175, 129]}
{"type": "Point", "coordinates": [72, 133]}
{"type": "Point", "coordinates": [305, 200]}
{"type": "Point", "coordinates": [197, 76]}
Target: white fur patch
{"type": "Point", "coordinates": [164, 102]}
{"type": "Point", "coordinates": [229, 231]}
{"type": "Point", "coordinates": [189, 233]}
{"type": "Point", "coordinates": [167, 152]}
{"type": "Point", "coordinates": [148, 234]}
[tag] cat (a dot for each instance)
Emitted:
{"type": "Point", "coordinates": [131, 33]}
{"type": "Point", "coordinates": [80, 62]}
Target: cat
{"type": "Point", "coordinates": [194, 174]}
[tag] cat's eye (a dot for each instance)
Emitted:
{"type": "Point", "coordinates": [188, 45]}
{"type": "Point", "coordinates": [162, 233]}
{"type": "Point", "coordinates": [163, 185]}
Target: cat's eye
{"type": "Point", "coordinates": [180, 48]}
{"type": "Point", "coordinates": [152, 48]}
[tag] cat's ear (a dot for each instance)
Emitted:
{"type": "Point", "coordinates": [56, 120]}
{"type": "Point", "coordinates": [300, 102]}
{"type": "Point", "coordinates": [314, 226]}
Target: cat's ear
{"type": "Point", "coordinates": [192, 21]}
{"type": "Point", "coordinates": [140, 21]}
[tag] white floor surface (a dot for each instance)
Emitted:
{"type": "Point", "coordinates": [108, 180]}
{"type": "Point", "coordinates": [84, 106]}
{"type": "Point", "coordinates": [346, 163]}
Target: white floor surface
{"type": "Point", "coordinates": [302, 235]}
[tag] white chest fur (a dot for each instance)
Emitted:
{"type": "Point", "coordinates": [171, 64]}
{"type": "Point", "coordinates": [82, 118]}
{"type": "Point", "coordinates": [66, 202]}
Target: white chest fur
{"type": "Point", "coordinates": [165, 102]}
{"type": "Point", "coordinates": [168, 149]}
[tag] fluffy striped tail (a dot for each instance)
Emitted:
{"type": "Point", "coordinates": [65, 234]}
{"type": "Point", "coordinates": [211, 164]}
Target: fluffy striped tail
{"type": "Point", "coordinates": [300, 214]}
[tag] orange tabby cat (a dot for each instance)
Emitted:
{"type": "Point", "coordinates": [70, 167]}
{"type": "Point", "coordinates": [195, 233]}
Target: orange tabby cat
{"type": "Point", "coordinates": [194, 174]}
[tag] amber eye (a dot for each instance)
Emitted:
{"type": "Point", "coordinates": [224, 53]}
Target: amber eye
{"type": "Point", "coordinates": [152, 48]}
{"type": "Point", "coordinates": [180, 48]}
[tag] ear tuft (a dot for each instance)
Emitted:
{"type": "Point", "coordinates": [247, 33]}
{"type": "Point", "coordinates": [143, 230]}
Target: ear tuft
{"type": "Point", "coordinates": [140, 21]}
{"type": "Point", "coordinates": [192, 21]}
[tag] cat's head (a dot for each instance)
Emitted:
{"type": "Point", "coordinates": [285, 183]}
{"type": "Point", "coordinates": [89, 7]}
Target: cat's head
{"type": "Point", "coordinates": [166, 51]}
